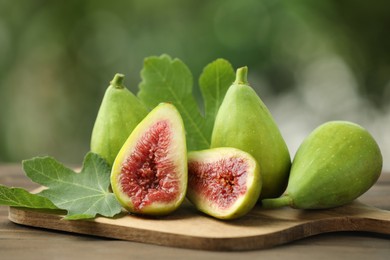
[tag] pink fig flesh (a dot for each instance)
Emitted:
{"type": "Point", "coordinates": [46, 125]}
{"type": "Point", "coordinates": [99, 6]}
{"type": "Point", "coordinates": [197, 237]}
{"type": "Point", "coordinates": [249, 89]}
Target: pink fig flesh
{"type": "Point", "coordinates": [145, 174]}
{"type": "Point", "coordinates": [149, 175]}
{"type": "Point", "coordinates": [223, 182]}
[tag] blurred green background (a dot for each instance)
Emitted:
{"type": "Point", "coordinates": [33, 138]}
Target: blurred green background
{"type": "Point", "coordinates": [310, 61]}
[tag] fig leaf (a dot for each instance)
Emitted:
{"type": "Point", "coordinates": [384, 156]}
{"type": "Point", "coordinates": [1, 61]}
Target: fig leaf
{"type": "Point", "coordinates": [214, 83]}
{"type": "Point", "coordinates": [84, 195]}
{"type": "Point", "coordinates": [18, 197]}
{"type": "Point", "coordinates": [169, 80]}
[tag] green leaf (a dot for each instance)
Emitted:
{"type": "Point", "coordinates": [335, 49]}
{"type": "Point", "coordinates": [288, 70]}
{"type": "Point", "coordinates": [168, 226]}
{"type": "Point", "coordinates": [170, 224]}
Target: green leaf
{"type": "Point", "coordinates": [18, 197]}
{"type": "Point", "coordinates": [84, 194]}
{"type": "Point", "coordinates": [214, 82]}
{"type": "Point", "coordinates": [169, 80]}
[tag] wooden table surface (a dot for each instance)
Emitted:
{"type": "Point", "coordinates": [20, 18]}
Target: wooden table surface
{"type": "Point", "coordinates": [21, 242]}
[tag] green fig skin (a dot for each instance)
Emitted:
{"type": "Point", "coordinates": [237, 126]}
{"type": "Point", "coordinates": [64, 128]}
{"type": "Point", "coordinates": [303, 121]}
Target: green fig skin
{"type": "Point", "coordinates": [119, 113]}
{"type": "Point", "coordinates": [175, 158]}
{"type": "Point", "coordinates": [334, 165]}
{"type": "Point", "coordinates": [243, 121]}
{"type": "Point", "coordinates": [244, 202]}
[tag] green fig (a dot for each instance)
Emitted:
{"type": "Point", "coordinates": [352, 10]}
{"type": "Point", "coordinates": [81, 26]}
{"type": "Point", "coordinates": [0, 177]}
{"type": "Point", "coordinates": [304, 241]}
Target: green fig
{"type": "Point", "coordinates": [119, 113]}
{"type": "Point", "coordinates": [244, 122]}
{"type": "Point", "coordinates": [334, 165]}
{"type": "Point", "coordinates": [149, 175]}
{"type": "Point", "coordinates": [223, 182]}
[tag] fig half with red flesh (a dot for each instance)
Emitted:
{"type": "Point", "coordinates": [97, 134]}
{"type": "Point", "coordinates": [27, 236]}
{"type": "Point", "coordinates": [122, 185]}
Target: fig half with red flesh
{"type": "Point", "coordinates": [224, 183]}
{"type": "Point", "coordinates": [149, 174]}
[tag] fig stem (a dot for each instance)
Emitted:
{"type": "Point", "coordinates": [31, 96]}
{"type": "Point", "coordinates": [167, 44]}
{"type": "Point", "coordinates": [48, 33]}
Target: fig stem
{"type": "Point", "coordinates": [117, 81]}
{"type": "Point", "coordinates": [283, 201]}
{"type": "Point", "coordinates": [241, 76]}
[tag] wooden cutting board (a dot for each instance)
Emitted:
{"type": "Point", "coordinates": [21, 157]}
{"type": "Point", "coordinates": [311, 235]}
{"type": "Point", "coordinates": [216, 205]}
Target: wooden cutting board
{"type": "Point", "coordinates": [187, 228]}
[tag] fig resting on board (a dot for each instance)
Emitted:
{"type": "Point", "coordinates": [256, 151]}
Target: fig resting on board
{"type": "Point", "coordinates": [244, 122]}
{"type": "Point", "coordinates": [334, 165]}
{"type": "Point", "coordinates": [149, 175]}
{"type": "Point", "coordinates": [223, 182]}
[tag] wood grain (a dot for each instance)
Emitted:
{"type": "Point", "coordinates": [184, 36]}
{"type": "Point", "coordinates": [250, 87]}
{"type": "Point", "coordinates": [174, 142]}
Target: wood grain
{"type": "Point", "coordinates": [27, 242]}
{"type": "Point", "coordinates": [187, 228]}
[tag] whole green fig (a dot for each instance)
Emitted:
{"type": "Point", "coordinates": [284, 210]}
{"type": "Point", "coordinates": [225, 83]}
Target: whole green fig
{"type": "Point", "coordinates": [119, 113]}
{"type": "Point", "coordinates": [244, 122]}
{"type": "Point", "coordinates": [334, 165]}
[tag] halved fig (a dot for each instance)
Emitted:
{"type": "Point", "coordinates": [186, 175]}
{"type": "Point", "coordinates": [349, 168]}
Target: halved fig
{"type": "Point", "coordinates": [149, 174]}
{"type": "Point", "coordinates": [223, 182]}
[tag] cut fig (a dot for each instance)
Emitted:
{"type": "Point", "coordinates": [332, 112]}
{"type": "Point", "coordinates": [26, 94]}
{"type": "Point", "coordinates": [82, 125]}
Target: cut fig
{"type": "Point", "coordinates": [223, 182]}
{"type": "Point", "coordinates": [149, 174]}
